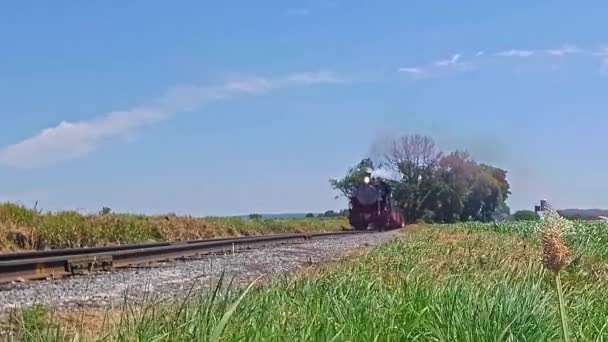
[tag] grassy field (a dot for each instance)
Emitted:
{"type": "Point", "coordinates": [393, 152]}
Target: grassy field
{"type": "Point", "coordinates": [587, 237]}
{"type": "Point", "coordinates": [467, 282]}
{"type": "Point", "coordinates": [22, 228]}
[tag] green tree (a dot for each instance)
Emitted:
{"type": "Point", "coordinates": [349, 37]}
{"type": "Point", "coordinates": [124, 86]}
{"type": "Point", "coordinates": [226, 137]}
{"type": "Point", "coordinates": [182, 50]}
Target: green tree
{"type": "Point", "coordinates": [503, 212]}
{"type": "Point", "coordinates": [455, 176]}
{"type": "Point", "coordinates": [309, 215]}
{"type": "Point", "coordinates": [353, 178]}
{"type": "Point", "coordinates": [415, 158]}
{"type": "Point", "coordinates": [330, 213]}
{"type": "Point", "coordinates": [105, 211]}
{"type": "Point", "coordinates": [471, 191]}
{"type": "Point", "coordinates": [255, 216]}
{"type": "Point", "coordinates": [525, 215]}
{"type": "Point", "coordinates": [433, 186]}
{"type": "Point", "coordinates": [496, 191]}
{"type": "Point", "coordinates": [482, 199]}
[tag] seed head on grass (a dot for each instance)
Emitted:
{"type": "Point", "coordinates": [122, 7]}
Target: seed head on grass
{"type": "Point", "coordinates": [555, 251]}
{"type": "Point", "coordinates": [555, 257]}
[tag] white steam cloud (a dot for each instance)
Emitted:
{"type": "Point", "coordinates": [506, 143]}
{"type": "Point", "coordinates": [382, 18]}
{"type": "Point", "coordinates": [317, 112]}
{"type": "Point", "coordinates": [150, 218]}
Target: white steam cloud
{"type": "Point", "coordinates": [384, 173]}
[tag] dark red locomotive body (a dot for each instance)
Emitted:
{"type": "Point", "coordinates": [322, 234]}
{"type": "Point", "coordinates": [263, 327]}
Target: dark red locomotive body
{"type": "Point", "coordinates": [371, 206]}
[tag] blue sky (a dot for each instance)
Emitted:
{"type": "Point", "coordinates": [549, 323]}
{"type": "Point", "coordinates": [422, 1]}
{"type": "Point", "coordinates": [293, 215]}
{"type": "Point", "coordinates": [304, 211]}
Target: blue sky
{"type": "Point", "coordinates": [213, 108]}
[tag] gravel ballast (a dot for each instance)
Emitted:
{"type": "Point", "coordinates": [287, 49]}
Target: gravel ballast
{"type": "Point", "coordinates": [173, 278]}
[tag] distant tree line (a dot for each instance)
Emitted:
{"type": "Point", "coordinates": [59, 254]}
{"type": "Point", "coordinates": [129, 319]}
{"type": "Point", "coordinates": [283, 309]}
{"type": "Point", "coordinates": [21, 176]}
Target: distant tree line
{"type": "Point", "coordinates": [433, 186]}
{"type": "Point", "coordinates": [255, 216]}
{"type": "Point", "coordinates": [525, 215]}
{"type": "Point", "coordinates": [329, 213]}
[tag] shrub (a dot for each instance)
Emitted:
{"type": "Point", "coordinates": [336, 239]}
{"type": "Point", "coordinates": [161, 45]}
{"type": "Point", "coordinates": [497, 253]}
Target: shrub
{"type": "Point", "coordinates": [255, 216]}
{"type": "Point", "coordinates": [525, 215]}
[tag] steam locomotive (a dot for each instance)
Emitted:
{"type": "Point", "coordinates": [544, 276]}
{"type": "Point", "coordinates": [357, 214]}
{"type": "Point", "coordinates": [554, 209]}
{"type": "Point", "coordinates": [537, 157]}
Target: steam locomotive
{"type": "Point", "coordinates": [371, 206]}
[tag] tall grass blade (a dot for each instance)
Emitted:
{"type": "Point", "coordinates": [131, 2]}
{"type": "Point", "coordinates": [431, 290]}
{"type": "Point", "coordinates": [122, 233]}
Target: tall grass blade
{"type": "Point", "coordinates": [335, 338]}
{"type": "Point", "coordinates": [219, 329]}
{"type": "Point", "coordinates": [506, 331]}
{"type": "Point", "coordinates": [562, 308]}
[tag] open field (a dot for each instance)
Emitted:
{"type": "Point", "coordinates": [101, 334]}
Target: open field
{"type": "Point", "coordinates": [22, 228]}
{"type": "Point", "coordinates": [468, 282]}
{"type": "Point", "coordinates": [586, 237]}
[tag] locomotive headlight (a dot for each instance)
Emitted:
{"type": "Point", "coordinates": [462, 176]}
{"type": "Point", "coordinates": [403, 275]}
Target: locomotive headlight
{"type": "Point", "coordinates": [366, 180]}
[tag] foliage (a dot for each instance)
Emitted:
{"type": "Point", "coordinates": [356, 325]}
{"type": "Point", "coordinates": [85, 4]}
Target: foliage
{"type": "Point", "coordinates": [433, 186]}
{"type": "Point", "coordinates": [105, 211]}
{"type": "Point", "coordinates": [462, 282]}
{"type": "Point", "coordinates": [255, 216]}
{"type": "Point", "coordinates": [502, 213]}
{"type": "Point", "coordinates": [330, 213]}
{"type": "Point", "coordinates": [353, 178]}
{"type": "Point", "coordinates": [22, 228]}
{"type": "Point", "coordinates": [586, 237]}
{"type": "Point", "coordinates": [525, 215]}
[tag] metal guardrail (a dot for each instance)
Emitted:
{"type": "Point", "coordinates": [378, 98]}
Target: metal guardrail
{"type": "Point", "coordinates": [62, 262]}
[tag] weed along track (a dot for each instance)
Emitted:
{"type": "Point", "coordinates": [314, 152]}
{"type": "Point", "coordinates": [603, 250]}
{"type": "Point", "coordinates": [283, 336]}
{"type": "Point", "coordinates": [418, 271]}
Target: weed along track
{"type": "Point", "coordinates": [109, 275]}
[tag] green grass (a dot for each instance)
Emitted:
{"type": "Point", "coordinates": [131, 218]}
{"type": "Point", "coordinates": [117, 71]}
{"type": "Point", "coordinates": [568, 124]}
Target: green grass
{"type": "Point", "coordinates": [588, 237]}
{"type": "Point", "coordinates": [457, 283]}
{"type": "Point", "coordinates": [22, 228]}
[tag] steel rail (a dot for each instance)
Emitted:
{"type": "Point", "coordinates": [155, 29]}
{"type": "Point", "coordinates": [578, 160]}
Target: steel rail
{"type": "Point", "coordinates": [59, 263]}
{"type": "Point", "coordinates": [101, 249]}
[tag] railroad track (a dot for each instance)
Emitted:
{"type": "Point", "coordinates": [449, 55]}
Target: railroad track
{"type": "Point", "coordinates": [57, 263]}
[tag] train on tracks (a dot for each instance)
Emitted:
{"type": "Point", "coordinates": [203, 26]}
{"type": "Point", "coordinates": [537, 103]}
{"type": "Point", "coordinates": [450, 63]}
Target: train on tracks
{"type": "Point", "coordinates": [372, 206]}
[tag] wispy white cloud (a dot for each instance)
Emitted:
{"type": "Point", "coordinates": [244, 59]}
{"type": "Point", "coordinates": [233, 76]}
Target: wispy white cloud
{"type": "Point", "coordinates": [515, 53]}
{"type": "Point", "coordinates": [252, 86]}
{"type": "Point", "coordinates": [454, 63]}
{"type": "Point", "coordinates": [564, 50]}
{"type": "Point", "coordinates": [448, 62]}
{"type": "Point", "coordinates": [414, 71]}
{"type": "Point", "coordinates": [69, 140]}
{"type": "Point", "coordinates": [298, 11]}
{"type": "Point", "coordinates": [315, 77]}
{"type": "Point", "coordinates": [561, 51]}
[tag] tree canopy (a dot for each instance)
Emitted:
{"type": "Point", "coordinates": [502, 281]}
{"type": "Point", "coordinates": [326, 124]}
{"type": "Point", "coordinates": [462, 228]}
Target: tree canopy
{"type": "Point", "coordinates": [431, 185]}
{"type": "Point", "coordinates": [526, 215]}
{"type": "Point", "coordinates": [349, 183]}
